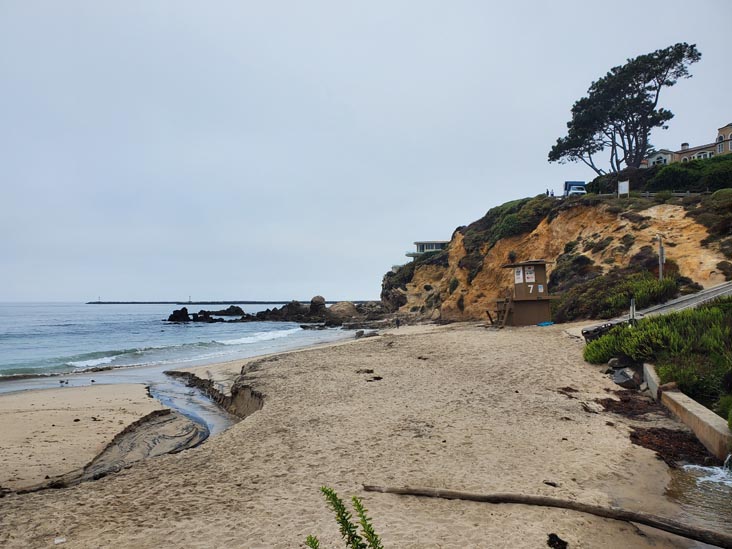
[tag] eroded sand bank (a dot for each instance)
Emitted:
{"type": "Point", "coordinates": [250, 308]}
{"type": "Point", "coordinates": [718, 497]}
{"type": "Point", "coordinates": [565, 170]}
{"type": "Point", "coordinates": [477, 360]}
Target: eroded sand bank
{"type": "Point", "coordinates": [456, 407]}
{"type": "Point", "coordinates": [52, 432]}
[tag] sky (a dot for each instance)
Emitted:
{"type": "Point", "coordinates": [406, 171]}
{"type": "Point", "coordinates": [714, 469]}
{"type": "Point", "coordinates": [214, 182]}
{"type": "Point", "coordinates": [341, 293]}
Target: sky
{"type": "Point", "coordinates": [156, 150]}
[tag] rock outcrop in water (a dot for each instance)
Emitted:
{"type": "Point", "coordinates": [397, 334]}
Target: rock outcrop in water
{"type": "Point", "coordinates": [316, 312]}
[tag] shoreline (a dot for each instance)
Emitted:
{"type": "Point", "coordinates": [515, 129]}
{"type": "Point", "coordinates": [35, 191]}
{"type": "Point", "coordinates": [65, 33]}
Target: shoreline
{"type": "Point", "coordinates": [58, 469]}
{"type": "Point", "coordinates": [442, 413]}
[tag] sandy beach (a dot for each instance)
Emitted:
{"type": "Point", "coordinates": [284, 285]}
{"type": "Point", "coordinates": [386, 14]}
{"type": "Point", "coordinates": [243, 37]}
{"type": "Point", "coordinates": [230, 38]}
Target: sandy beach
{"type": "Point", "coordinates": [49, 433]}
{"type": "Point", "coordinates": [456, 407]}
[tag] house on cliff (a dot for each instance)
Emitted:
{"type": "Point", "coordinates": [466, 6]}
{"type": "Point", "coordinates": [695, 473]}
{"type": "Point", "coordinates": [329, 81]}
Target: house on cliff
{"type": "Point", "coordinates": [721, 145]}
{"type": "Point", "coordinates": [426, 246]}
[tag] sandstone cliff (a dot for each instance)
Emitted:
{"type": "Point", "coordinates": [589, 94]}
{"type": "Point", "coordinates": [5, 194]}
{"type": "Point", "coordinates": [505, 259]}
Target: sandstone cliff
{"type": "Point", "coordinates": [462, 282]}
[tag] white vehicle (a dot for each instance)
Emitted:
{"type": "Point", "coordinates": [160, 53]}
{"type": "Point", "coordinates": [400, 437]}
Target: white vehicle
{"type": "Point", "coordinates": [576, 191]}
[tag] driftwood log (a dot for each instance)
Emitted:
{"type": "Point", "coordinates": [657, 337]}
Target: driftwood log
{"type": "Point", "coordinates": [691, 532]}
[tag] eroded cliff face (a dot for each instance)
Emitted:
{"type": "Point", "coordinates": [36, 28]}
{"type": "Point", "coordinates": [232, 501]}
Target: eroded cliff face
{"type": "Point", "coordinates": [445, 292]}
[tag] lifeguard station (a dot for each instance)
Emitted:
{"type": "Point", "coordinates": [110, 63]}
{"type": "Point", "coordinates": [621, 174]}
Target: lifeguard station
{"type": "Point", "coordinates": [529, 303]}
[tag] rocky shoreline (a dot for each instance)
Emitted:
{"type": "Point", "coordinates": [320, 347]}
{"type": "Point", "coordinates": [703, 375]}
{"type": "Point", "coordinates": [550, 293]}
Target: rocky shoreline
{"type": "Point", "coordinates": [343, 313]}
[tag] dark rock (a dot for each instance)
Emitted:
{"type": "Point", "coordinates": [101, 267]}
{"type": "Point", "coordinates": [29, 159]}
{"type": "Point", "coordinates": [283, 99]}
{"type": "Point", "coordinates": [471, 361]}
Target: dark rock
{"type": "Point", "coordinates": [231, 310]}
{"type": "Point", "coordinates": [670, 386]}
{"type": "Point", "coordinates": [555, 542]}
{"type": "Point", "coordinates": [613, 363]}
{"type": "Point", "coordinates": [179, 315]}
{"type": "Point", "coordinates": [313, 326]}
{"type": "Point", "coordinates": [317, 305]}
{"type": "Point", "coordinates": [366, 325]}
{"type": "Point", "coordinates": [627, 378]}
{"type": "Point", "coordinates": [359, 334]}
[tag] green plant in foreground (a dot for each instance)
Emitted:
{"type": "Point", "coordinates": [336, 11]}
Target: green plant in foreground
{"type": "Point", "coordinates": [349, 531]}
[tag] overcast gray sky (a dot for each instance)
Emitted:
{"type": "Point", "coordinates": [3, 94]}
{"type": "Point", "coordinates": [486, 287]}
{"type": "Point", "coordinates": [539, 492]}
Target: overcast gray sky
{"type": "Point", "coordinates": [258, 150]}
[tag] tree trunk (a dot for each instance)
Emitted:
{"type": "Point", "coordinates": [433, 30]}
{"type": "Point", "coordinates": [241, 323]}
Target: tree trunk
{"type": "Point", "coordinates": [687, 531]}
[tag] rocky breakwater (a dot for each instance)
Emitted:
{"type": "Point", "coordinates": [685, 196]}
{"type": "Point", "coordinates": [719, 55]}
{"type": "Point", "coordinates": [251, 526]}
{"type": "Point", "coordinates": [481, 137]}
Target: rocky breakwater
{"type": "Point", "coordinates": [314, 314]}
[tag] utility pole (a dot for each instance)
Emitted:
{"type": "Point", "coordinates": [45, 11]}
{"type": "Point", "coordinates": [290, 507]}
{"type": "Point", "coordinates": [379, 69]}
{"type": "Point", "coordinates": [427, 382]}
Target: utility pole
{"type": "Point", "coordinates": [661, 256]}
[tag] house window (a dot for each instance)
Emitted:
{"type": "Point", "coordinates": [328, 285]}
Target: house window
{"type": "Point", "coordinates": [730, 142]}
{"type": "Point", "coordinates": [684, 159]}
{"type": "Point", "coordinates": [720, 144]}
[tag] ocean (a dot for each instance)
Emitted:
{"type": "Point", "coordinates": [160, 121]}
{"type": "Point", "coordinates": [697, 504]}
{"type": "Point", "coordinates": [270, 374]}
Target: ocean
{"type": "Point", "coordinates": [134, 344]}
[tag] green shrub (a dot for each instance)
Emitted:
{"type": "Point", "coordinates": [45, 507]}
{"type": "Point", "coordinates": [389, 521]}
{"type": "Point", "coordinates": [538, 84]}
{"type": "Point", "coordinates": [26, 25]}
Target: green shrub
{"type": "Point", "coordinates": [717, 175]}
{"type": "Point", "coordinates": [349, 531]}
{"type": "Point", "coordinates": [453, 284]}
{"type": "Point", "coordinates": [694, 176]}
{"type": "Point", "coordinates": [510, 219]}
{"type": "Point", "coordinates": [691, 347]}
{"type": "Point", "coordinates": [725, 268]}
{"type": "Point", "coordinates": [609, 295]}
{"type": "Point", "coordinates": [677, 177]}
{"type": "Point", "coordinates": [724, 406]}
{"type": "Point", "coordinates": [599, 246]}
{"type": "Point", "coordinates": [725, 246]}
{"type": "Point", "coordinates": [627, 241]}
{"type": "Point", "coordinates": [722, 199]}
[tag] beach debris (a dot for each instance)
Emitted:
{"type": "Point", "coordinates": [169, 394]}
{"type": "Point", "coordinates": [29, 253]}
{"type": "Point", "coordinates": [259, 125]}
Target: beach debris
{"type": "Point", "coordinates": [76, 420]}
{"type": "Point", "coordinates": [422, 358]}
{"type": "Point", "coordinates": [551, 483]}
{"type": "Point", "coordinates": [674, 447]}
{"type": "Point", "coordinates": [364, 371]}
{"type": "Point", "coordinates": [590, 407]}
{"type": "Point", "coordinates": [375, 378]}
{"type": "Point", "coordinates": [630, 404]}
{"type": "Point", "coordinates": [567, 391]}
{"type": "Point", "coordinates": [59, 540]}
{"type": "Point", "coordinates": [555, 542]}
{"type": "Point", "coordinates": [689, 531]}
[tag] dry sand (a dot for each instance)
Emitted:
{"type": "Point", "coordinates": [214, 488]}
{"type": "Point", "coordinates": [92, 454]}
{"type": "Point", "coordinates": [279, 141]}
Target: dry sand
{"type": "Point", "coordinates": [457, 407]}
{"type": "Point", "coordinates": [52, 432]}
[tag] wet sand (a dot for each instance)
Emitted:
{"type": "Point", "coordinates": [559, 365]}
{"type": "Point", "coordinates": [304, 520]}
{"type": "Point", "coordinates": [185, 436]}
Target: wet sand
{"type": "Point", "coordinates": [55, 431]}
{"type": "Point", "coordinates": [456, 407]}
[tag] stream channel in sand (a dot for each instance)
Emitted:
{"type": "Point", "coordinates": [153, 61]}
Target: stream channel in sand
{"type": "Point", "coordinates": [171, 392]}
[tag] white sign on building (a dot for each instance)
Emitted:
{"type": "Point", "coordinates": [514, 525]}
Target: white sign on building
{"type": "Point", "coordinates": [518, 275]}
{"type": "Point", "coordinates": [530, 276]}
{"type": "Point", "coordinates": [623, 187]}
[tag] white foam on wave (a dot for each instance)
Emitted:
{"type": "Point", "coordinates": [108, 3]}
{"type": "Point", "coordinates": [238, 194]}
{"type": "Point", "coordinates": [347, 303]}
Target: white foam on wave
{"type": "Point", "coordinates": [716, 475]}
{"type": "Point", "coordinates": [260, 336]}
{"type": "Point", "coordinates": [91, 363]}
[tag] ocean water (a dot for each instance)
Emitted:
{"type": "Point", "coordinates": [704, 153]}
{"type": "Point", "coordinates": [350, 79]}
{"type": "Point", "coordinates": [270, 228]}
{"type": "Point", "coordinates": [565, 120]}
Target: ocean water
{"type": "Point", "coordinates": [54, 338]}
{"type": "Point", "coordinates": [134, 344]}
